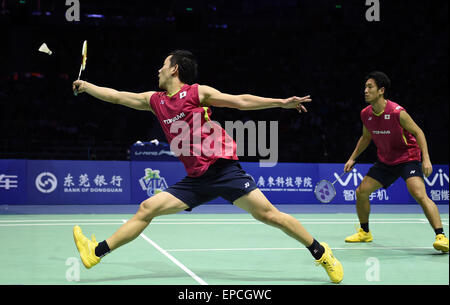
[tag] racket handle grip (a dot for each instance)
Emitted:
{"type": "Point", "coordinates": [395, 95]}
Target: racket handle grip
{"type": "Point", "coordinates": [75, 92]}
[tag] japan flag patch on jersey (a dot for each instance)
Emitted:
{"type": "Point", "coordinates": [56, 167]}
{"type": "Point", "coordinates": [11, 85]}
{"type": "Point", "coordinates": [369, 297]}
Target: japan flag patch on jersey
{"type": "Point", "coordinates": [387, 116]}
{"type": "Point", "coordinates": [183, 94]}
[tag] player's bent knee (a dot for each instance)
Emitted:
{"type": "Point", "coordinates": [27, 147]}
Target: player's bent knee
{"type": "Point", "coordinates": [270, 217]}
{"type": "Point", "coordinates": [151, 207]}
{"type": "Point", "coordinates": [419, 196]}
{"type": "Point", "coordinates": [145, 211]}
{"type": "Point", "coordinates": [259, 217]}
{"type": "Point", "coordinates": [160, 204]}
{"type": "Point", "coordinates": [361, 192]}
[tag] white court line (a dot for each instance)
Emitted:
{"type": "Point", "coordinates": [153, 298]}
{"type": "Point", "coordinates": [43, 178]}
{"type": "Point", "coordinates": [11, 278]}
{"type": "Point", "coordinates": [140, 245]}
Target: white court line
{"type": "Point", "coordinates": [299, 219]}
{"type": "Point", "coordinates": [5, 224]}
{"type": "Point", "coordinates": [202, 223]}
{"type": "Point", "coordinates": [57, 224]}
{"type": "Point", "coordinates": [310, 221]}
{"type": "Point", "coordinates": [274, 249]}
{"type": "Point", "coordinates": [214, 220]}
{"type": "Point", "coordinates": [173, 259]}
{"type": "Point", "coordinates": [55, 220]}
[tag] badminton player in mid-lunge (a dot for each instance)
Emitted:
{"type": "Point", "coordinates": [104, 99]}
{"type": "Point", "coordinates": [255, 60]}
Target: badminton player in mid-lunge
{"type": "Point", "coordinates": [210, 173]}
{"type": "Point", "coordinates": [402, 151]}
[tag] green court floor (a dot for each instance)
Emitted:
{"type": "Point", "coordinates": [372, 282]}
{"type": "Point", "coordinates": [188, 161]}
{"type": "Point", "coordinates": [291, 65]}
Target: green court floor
{"type": "Point", "coordinates": [220, 249]}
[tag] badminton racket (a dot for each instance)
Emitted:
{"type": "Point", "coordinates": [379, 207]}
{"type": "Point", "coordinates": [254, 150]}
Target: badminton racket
{"type": "Point", "coordinates": [325, 191]}
{"type": "Point", "coordinates": [83, 62]}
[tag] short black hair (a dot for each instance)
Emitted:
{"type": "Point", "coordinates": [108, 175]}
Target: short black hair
{"type": "Point", "coordinates": [381, 80]}
{"type": "Point", "coordinates": [187, 65]}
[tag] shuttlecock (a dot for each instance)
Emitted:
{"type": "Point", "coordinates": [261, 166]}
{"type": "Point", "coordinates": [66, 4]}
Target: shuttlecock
{"type": "Point", "coordinates": [45, 49]}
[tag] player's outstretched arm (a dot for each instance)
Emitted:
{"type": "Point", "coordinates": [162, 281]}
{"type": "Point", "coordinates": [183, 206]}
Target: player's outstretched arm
{"type": "Point", "coordinates": [361, 146]}
{"type": "Point", "coordinates": [139, 101]}
{"type": "Point", "coordinates": [408, 124]}
{"type": "Point", "coordinates": [213, 97]}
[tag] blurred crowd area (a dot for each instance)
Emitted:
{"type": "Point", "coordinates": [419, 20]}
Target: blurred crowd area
{"type": "Point", "coordinates": [266, 48]}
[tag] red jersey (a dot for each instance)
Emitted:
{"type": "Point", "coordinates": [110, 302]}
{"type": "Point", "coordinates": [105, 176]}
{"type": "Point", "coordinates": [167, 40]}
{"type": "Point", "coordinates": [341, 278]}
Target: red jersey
{"type": "Point", "coordinates": [195, 139]}
{"type": "Point", "coordinates": [394, 144]}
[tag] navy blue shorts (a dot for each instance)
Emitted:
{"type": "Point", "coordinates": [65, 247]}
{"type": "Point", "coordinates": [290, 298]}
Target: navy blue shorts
{"type": "Point", "coordinates": [388, 174]}
{"type": "Point", "coordinates": [225, 178]}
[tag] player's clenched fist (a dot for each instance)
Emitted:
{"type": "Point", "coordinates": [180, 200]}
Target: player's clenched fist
{"type": "Point", "coordinates": [79, 86]}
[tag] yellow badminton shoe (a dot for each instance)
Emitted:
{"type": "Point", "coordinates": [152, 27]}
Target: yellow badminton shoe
{"type": "Point", "coordinates": [86, 247]}
{"type": "Point", "coordinates": [360, 237]}
{"type": "Point", "coordinates": [331, 265]}
{"type": "Point", "coordinates": [441, 243]}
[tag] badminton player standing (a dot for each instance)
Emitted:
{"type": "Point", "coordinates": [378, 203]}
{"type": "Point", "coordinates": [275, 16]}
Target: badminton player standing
{"type": "Point", "coordinates": [211, 173]}
{"type": "Point", "coordinates": [401, 146]}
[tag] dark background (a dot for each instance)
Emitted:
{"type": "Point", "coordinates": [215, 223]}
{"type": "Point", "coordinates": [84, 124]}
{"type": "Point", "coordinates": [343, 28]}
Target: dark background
{"type": "Point", "coordinates": [268, 48]}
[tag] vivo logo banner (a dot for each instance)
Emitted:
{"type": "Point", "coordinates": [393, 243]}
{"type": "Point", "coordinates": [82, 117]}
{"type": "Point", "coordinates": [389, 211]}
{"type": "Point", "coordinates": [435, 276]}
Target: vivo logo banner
{"type": "Point", "coordinates": [439, 178]}
{"type": "Point", "coordinates": [437, 185]}
{"type": "Point", "coordinates": [352, 178]}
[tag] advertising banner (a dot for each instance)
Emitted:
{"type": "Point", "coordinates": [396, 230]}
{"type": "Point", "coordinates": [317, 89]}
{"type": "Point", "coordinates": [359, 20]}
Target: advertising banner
{"type": "Point", "coordinates": [346, 185]}
{"type": "Point", "coordinates": [13, 181]}
{"type": "Point", "coordinates": [125, 182]}
{"type": "Point", "coordinates": [151, 151]}
{"type": "Point", "coordinates": [285, 182]}
{"type": "Point", "coordinates": [437, 184]}
{"type": "Point", "coordinates": [292, 183]}
{"type": "Point", "coordinates": [78, 182]}
{"type": "Point", "coordinates": [148, 176]}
